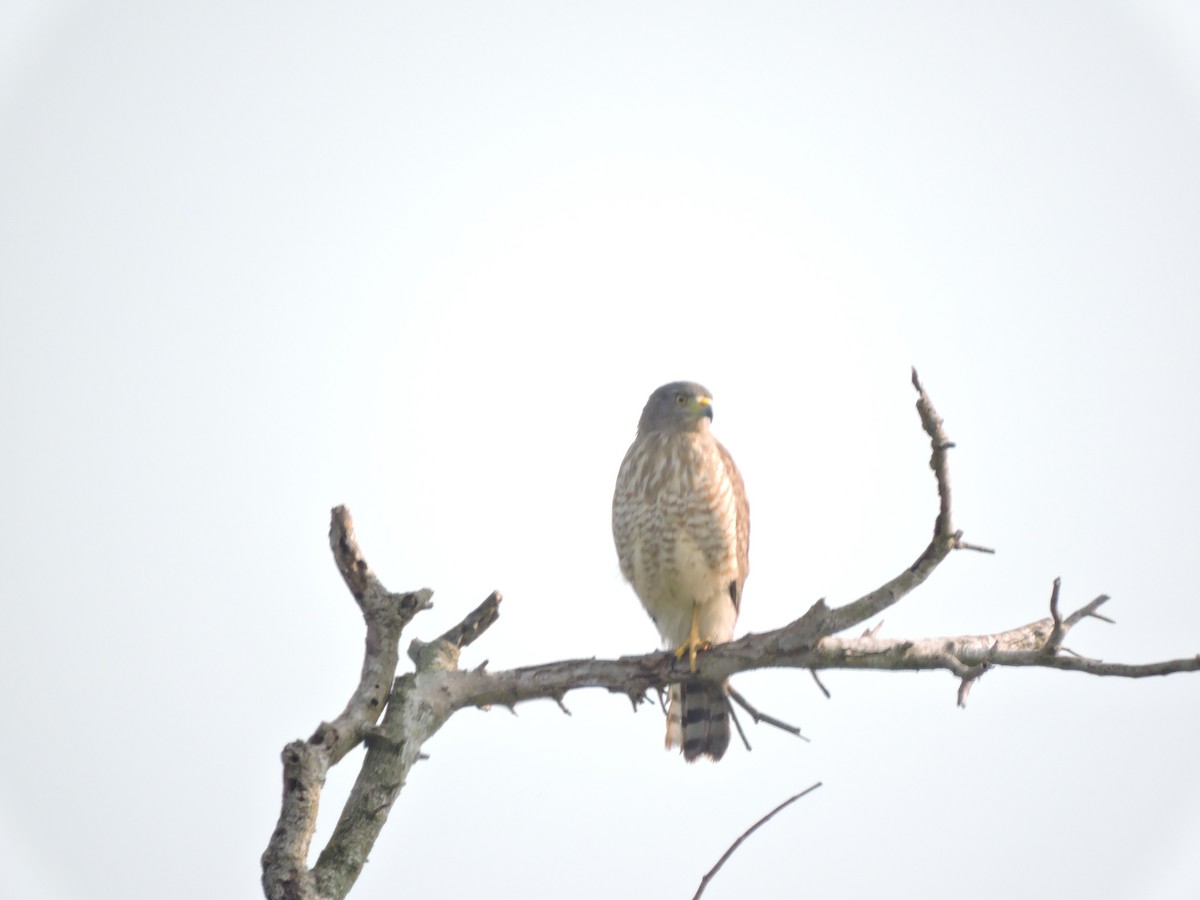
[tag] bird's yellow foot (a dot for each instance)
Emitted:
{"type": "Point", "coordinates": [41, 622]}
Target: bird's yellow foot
{"type": "Point", "coordinates": [694, 643]}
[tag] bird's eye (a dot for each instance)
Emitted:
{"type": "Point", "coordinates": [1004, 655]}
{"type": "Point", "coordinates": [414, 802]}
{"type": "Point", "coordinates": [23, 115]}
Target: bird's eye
{"type": "Point", "coordinates": [681, 399]}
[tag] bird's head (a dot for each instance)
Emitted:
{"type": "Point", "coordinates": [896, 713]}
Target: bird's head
{"type": "Point", "coordinates": [678, 406]}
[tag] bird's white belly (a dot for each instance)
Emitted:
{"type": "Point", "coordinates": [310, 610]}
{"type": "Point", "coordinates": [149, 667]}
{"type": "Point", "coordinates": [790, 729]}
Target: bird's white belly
{"type": "Point", "coordinates": [670, 588]}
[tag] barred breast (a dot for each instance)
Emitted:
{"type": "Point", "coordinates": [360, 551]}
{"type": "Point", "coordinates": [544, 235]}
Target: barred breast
{"type": "Point", "coordinates": [675, 524]}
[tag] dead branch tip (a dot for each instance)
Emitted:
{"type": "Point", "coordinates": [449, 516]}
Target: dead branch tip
{"type": "Point", "coordinates": [745, 834]}
{"type": "Point", "coordinates": [479, 620]}
{"type": "Point", "coordinates": [346, 553]}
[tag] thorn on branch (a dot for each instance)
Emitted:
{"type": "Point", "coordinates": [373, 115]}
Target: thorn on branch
{"type": "Point", "coordinates": [558, 698]}
{"type": "Point", "coordinates": [873, 632]}
{"type": "Point", "coordinates": [817, 679]}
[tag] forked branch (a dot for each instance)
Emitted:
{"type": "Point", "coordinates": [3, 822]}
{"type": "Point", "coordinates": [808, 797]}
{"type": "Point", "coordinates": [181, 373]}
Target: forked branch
{"type": "Point", "coordinates": [420, 702]}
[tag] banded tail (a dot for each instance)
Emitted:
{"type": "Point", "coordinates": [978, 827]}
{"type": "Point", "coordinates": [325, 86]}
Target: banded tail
{"type": "Point", "coordinates": [698, 719]}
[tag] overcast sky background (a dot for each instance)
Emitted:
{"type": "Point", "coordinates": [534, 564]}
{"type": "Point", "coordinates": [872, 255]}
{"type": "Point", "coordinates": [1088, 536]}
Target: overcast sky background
{"type": "Point", "coordinates": [428, 261]}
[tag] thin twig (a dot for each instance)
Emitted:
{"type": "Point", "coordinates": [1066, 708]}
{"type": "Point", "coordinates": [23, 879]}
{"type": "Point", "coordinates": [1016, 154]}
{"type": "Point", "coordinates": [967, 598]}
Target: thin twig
{"type": "Point", "coordinates": [745, 834]}
{"type": "Point", "coordinates": [1089, 611]}
{"type": "Point", "coordinates": [978, 548]}
{"type": "Point", "coordinates": [662, 700]}
{"type": "Point", "coordinates": [1113, 670]}
{"type": "Point", "coordinates": [763, 717]}
{"type": "Point", "coordinates": [817, 679]}
{"type": "Point", "coordinates": [737, 723]}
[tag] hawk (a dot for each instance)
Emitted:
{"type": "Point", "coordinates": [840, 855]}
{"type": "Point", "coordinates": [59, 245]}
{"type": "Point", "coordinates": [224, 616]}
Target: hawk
{"type": "Point", "coordinates": [682, 529]}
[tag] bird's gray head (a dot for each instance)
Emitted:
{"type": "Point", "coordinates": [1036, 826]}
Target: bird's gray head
{"type": "Point", "coordinates": [678, 406]}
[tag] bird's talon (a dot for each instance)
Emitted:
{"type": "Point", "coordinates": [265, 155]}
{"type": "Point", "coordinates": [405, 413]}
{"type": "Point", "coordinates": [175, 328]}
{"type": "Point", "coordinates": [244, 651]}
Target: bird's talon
{"type": "Point", "coordinates": [694, 643]}
{"type": "Point", "coordinates": [691, 650]}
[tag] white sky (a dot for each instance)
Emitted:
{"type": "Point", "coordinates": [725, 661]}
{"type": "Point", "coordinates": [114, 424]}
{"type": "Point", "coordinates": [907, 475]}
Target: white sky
{"type": "Point", "coordinates": [429, 260]}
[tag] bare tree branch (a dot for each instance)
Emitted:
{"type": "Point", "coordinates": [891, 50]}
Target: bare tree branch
{"type": "Point", "coordinates": [963, 656]}
{"type": "Point", "coordinates": [305, 763]}
{"type": "Point", "coordinates": [762, 717]}
{"type": "Point", "coordinates": [945, 538]}
{"type": "Point", "coordinates": [393, 748]}
{"type": "Point", "coordinates": [745, 834]}
{"type": "Point", "coordinates": [476, 623]}
{"type": "Point", "coordinates": [1057, 632]}
{"type": "Point", "coordinates": [420, 702]}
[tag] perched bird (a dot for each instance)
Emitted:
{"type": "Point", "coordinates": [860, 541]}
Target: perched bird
{"type": "Point", "coordinates": [682, 529]}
